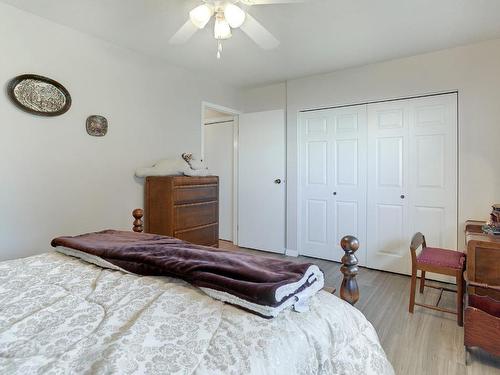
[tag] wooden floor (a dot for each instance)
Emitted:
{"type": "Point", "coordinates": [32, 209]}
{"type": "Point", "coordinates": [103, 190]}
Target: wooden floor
{"type": "Point", "coordinates": [427, 342]}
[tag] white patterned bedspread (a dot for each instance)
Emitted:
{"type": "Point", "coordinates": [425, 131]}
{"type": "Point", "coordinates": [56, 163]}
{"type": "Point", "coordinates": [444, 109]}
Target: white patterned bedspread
{"type": "Point", "coordinates": [60, 315]}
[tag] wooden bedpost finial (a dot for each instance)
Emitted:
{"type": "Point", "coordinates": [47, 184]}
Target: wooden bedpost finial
{"type": "Point", "coordinates": [138, 214]}
{"type": "Point", "coordinates": [349, 290]}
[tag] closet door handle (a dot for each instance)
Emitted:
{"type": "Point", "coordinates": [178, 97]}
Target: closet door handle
{"type": "Point", "coordinates": [402, 196]}
{"type": "Point", "coordinates": [277, 181]}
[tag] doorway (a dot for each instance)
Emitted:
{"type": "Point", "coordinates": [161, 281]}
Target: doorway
{"type": "Point", "coordinates": [247, 152]}
{"type": "Point", "coordinates": [219, 142]}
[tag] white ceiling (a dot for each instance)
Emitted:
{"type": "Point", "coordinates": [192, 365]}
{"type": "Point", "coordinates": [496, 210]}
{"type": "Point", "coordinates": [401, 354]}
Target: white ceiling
{"type": "Point", "coordinates": [316, 37]}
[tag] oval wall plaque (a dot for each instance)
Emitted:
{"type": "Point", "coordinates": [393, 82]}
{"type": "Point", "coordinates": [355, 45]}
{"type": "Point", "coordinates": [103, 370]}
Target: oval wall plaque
{"type": "Point", "coordinates": [39, 95]}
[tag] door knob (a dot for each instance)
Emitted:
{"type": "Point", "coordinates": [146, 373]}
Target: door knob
{"type": "Point", "coordinates": [277, 181]}
{"type": "Point", "coordinates": [334, 193]}
{"type": "Point", "coordinates": [402, 196]}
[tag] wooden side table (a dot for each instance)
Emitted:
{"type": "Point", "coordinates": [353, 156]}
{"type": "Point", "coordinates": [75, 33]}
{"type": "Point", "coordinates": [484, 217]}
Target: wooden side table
{"type": "Point", "coordinates": [483, 258]}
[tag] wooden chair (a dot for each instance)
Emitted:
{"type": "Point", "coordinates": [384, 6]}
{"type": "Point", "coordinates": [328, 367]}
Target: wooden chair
{"type": "Point", "coordinates": [441, 261]}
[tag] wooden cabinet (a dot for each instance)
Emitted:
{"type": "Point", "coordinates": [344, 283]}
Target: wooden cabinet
{"type": "Point", "coordinates": [483, 259]}
{"type": "Point", "coordinates": [183, 207]}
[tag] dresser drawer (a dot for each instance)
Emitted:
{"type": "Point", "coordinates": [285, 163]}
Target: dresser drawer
{"type": "Point", "coordinates": [195, 181]}
{"type": "Point", "coordinates": [195, 194]}
{"type": "Point", "coordinates": [195, 215]}
{"type": "Point", "coordinates": [206, 236]}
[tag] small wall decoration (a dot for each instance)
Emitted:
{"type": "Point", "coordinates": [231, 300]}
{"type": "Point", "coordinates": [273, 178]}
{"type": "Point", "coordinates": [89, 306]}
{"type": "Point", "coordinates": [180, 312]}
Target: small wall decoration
{"type": "Point", "coordinates": [97, 126]}
{"type": "Point", "coordinates": [39, 95]}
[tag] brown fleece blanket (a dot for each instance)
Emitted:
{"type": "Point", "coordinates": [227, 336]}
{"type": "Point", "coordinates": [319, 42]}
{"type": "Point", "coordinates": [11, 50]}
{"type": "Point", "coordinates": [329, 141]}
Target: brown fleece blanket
{"type": "Point", "coordinates": [252, 278]}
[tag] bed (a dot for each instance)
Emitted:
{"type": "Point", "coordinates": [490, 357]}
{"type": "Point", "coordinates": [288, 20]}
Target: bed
{"type": "Point", "coordinates": [60, 314]}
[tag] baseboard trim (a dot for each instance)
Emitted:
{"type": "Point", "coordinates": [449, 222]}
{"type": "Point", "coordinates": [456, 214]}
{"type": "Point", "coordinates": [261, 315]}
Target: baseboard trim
{"type": "Point", "coordinates": [291, 253]}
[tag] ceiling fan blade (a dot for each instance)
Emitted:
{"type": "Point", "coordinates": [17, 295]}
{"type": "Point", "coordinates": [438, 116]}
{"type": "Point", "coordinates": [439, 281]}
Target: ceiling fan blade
{"type": "Point", "coordinates": [266, 2]}
{"type": "Point", "coordinates": [259, 33]}
{"type": "Point", "coordinates": [184, 33]}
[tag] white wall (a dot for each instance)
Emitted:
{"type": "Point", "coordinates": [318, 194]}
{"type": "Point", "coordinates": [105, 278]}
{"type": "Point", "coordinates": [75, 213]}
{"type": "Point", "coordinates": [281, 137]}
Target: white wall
{"type": "Point", "coordinates": [264, 98]}
{"type": "Point", "coordinates": [473, 70]}
{"type": "Point", "coordinates": [58, 180]}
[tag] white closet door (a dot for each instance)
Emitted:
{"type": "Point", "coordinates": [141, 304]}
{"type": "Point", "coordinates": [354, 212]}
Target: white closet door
{"type": "Point", "coordinates": [387, 213]}
{"type": "Point", "coordinates": [316, 212]}
{"type": "Point", "coordinates": [412, 177]}
{"type": "Point", "coordinates": [332, 180]}
{"type": "Point", "coordinates": [433, 169]}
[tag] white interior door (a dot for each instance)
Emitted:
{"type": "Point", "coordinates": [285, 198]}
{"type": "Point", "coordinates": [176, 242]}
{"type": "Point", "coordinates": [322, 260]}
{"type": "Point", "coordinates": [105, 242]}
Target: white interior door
{"type": "Point", "coordinates": [219, 146]}
{"type": "Point", "coordinates": [387, 214]}
{"type": "Point", "coordinates": [332, 181]}
{"type": "Point", "coordinates": [261, 181]}
{"type": "Point", "coordinates": [412, 178]}
{"type": "Point", "coordinates": [433, 169]}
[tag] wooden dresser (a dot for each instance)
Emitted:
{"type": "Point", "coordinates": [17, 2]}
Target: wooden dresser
{"type": "Point", "coordinates": [483, 258]}
{"type": "Point", "coordinates": [183, 207]}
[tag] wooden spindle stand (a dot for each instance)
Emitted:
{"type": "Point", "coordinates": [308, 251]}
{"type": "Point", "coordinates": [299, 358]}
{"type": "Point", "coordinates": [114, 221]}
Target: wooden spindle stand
{"type": "Point", "coordinates": [349, 290]}
{"type": "Point", "coordinates": [138, 214]}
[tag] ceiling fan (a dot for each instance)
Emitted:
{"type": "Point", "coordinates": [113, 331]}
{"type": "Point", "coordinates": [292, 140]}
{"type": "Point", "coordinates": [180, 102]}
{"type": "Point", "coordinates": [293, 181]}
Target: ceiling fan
{"type": "Point", "coordinates": [228, 15]}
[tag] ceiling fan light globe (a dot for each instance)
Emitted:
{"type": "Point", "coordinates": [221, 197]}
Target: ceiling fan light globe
{"type": "Point", "coordinates": [222, 30]}
{"type": "Point", "coordinates": [234, 15]}
{"type": "Point", "coordinates": [200, 15]}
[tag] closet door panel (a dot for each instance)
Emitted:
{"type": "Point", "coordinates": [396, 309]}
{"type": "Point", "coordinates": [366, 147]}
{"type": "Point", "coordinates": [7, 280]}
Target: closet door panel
{"type": "Point", "coordinates": [389, 163]}
{"type": "Point", "coordinates": [317, 222]}
{"type": "Point", "coordinates": [316, 163]}
{"type": "Point", "coordinates": [430, 221]}
{"type": "Point", "coordinates": [349, 184]}
{"type": "Point", "coordinates": [347, 219]}
{"type": "Point", "coordinates": [412, 178]}
{"type": "Point", "coordinates": [332, 165]}
{"type": "Point", "coordinates": [387, 208]}
{"type": "Point", "coordinates": [433, 169]}
{"type": "Point", "coordinates": [347, 162]}
{"type": "Point", "coordinates": [390, 226]}
{"type": "Point", "coordinates": [316, 211]}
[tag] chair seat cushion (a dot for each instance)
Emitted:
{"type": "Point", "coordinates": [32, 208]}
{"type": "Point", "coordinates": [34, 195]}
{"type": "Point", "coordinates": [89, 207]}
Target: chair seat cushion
{"type": "Point", "coordinates": [441, 258]}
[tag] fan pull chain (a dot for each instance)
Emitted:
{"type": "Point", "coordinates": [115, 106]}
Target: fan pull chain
{"type": "Point", "coordinates": [219, 49]}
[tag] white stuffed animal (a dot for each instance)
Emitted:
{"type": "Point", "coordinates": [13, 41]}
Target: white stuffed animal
{"type": "Point", "coordinates": [187, 165]}
{"type": "Point", "coordinates": [165, 167]}
{"type": "Point", "coordinates": [197, 167]}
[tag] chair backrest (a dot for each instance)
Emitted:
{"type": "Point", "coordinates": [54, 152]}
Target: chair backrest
{"type": "Point", "coordinates": [417, 240]}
